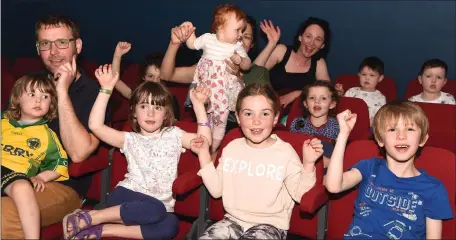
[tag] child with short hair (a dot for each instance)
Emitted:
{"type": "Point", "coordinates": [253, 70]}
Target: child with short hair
{"type": "Point", "coordinates": [150, 72]}
{"type": "Point", "coordinates": [433, 77]}
{"type": "Point", "coordinates": [225, 40]}
{"type": "Point", "coordinates": [140, 206]}
{"type": "Point", "coordinates": [401, 128]}
{"type": "Point", "coordinates": [370, 74]}
{"type": "Point", "coordinates": [257, 205]}
{"type": "Point", "coordinates": [32, 154]}
{"type": "Point", "coordinates": [319, 100]}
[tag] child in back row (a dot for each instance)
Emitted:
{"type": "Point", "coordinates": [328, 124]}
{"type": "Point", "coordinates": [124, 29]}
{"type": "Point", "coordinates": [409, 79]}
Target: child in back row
{"type": "Point", "coordinates": [258, 203]}
{"type": "Point", "coordinates": [319, 100]}
{"type": "Point", "coordinates": [31, 152]}
{"type": "Point", "coordinates": [370, 74]}
{"type": "Point", "coordinates": [150, 72]}
{"type": "Point", "coordinates": [433, 77]}
{"type": "Point", "coordinates": [393, 195]}
{"type": "Point", "coordinates": [141, 205]}
{"type": "Point", "coordinates": [225, 40]}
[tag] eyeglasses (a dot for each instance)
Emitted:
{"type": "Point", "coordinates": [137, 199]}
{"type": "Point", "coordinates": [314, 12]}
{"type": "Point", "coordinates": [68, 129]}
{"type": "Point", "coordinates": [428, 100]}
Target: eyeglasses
{"type": "Point", "coordinates": [45, 45]}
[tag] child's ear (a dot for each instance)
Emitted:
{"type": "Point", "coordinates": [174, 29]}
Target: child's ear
{"type": "Point", "coordinates": [304, 104]}
{"type": "Point", "coordinates": [424, 140]}
{"type": "Point", "coordinates": [419, 80]}
{"type": "Point", "coordinates": [322, 46]}
{"type": "Point", "coordinates": [237, 118]}
{"type": "Point", "coordinates": [332, 105]}
{"type": "Point", "coordinates": [276, 117]}
{"type": "Point", "coordinates": [444, 82]}
{"type": "Point", "coordinates": [379, 142]}
{"type": "Point", "coordinates": [381, 78]}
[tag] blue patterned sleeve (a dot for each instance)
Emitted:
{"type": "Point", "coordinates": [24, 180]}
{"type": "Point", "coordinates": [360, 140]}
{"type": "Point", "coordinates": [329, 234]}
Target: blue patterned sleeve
{"type": "Point", "coordinates": [293, 125]}
{"type": "Point", "coordinates": [438, 206]}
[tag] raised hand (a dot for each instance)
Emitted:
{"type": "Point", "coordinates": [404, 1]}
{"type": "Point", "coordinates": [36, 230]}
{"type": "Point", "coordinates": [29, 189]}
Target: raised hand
{"type": "Point", "coordinates": [106, 77]}
{"type": "Point", "coordinates": [346, 120]}
{"type": "Point", "coordinates": [199, 94]}
{"type": "Point", "coordinates": [199, 144]}
{"type": "Point", "coordinates": [122, 48]}
{"type": "Point", "coordinates": [236, 59]}
{"type": "Point", "coordinates": [65, 75]}
{"type": "Point", "coordinates": [272, 33]}
{"type": "Point", "coordinates": [181, 33]}
{"type": "Point", "coordinates": [340, 89]}
{"type": "Point", "coordinates": [312, 149]}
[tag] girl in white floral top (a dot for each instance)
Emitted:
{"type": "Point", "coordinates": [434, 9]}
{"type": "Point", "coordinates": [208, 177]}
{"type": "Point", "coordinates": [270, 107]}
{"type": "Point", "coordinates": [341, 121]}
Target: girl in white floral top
{"type": "Point", "coordinates": [139, 207]}
{"type": "Point", "coordinates": [433, 76]}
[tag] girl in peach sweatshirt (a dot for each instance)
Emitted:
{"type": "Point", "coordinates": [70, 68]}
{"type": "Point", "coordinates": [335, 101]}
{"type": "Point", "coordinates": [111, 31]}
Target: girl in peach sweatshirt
{"type": "Point", "coordinates": [259, 176]}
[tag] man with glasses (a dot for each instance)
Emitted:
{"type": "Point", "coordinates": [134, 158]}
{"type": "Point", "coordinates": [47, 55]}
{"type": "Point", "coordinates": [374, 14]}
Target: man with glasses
{"type": "Point", "coordinates": [58, 43]}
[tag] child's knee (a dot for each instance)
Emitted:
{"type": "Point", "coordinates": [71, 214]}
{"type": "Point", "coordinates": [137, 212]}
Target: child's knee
{"type": "Point", "coordinates": [19, 188]}
{"type": "Point", "coordinates": [166, 229]}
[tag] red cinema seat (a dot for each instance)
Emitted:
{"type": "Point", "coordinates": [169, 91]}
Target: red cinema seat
{"type": "Point", "coordinates": [180, 91]}
{"type": "Point", "coordinates": [89, 67]}
{"type": "Point", "coordinates": [387, 86]}
{"type": "Point", "coordinates": [442, 120]}
{"type": "Point", "coordinates": [7, 86]}
{"type": "Point", "coordinates": [432, 159]}
{"type": "Point", "coordinates": [25, 65]}
{"type": "Point", "coordinates": [304, 220]}
{"type": "Point", "coordinates": [415, 88]}
{"type": "Point", "coordinates": [5, 64]}
{"type": "Point", "coordinates": [361, 130]}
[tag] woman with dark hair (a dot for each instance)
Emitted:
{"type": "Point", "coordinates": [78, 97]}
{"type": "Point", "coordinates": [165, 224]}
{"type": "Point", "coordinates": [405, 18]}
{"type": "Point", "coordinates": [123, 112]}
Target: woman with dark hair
{"type": "Point", "coordinates": [292, 67]}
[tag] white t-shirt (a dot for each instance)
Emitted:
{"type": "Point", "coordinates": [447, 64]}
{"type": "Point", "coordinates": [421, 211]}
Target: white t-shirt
{"type": "Point", "coordinates": [374, 100]}
{"type": "Point", "coordinates": [213, 49]}
{"type": "Point", "coordinates": [152, 163]}
{"type": "Point", "coordinates": [445, 98]}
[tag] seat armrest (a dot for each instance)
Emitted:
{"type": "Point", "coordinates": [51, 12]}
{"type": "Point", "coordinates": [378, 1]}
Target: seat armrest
{"type": "Point", "coordinates": [312, 200]}
{"type": "Point", "coordinates": [186, 182]}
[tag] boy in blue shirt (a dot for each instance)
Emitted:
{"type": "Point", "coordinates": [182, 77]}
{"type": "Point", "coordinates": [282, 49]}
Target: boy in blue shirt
{"type": "Point", "coordinates": [395, 200]}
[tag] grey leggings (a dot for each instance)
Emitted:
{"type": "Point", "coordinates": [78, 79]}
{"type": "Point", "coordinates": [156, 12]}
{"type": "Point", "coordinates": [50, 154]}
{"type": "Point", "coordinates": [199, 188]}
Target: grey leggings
{"type": "Point", "coordinates": [229, 229]}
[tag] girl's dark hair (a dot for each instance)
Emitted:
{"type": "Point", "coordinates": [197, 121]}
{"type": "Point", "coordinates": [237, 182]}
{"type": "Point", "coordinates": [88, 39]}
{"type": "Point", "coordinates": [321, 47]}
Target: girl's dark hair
{"type": "Point", "coordinates": [252, 22]}
{"type": "Point", "coordinates": [161, 96]}
{"type": "Point", "coordinates": [326, 29]}
{"type": "Point", "coordinates": [153, 59]}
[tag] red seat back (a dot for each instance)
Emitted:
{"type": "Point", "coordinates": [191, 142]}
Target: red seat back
{"type": "Point", "coordinates": [432, 159]}
{"type": "Point", "coordinates": [415, 88]}
{"type": "Point", "coordinates": [442, 119]}
{"type": "Point", "coordinates": [358, 106]}
{"type": "Point", "coordinates": [302, 224]}
{"type": "Point", "coordinates": [89, 68]}
{"type": "Point", "coordinates": [5, 64]}
{"type": "Point", "coordinates": [25, 65]}
{"type": "Point", "coordinates": [7, 86]}
{"type": "Point", "coordinates": [180, 90]}
{"type": "Point", "coordinates": [387, 86]}
{"type": "Point", "coordinates": [296, 110]}
{"type": "Point", "coordinates": [132, 75]}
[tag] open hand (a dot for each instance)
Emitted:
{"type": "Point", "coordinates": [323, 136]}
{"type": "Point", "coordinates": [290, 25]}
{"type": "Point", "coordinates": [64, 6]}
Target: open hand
{"type": "Point", "coordinates": [199, 94]}
{"type": "Point", "coordinates": [273, 34]}
{"type": "Point", "coordinates": [106, 77]}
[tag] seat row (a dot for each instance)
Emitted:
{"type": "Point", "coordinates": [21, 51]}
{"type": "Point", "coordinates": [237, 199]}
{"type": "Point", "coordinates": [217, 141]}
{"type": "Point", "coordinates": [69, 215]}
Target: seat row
{"type": "Point", "coordinates": [319, 215]}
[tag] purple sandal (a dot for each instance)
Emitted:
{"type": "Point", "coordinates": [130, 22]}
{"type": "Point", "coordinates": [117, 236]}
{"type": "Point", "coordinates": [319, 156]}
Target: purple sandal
{"type": "Point", "coordinates": [88, 232]}
{"type": "Point", "coordinates": [74, 219]}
